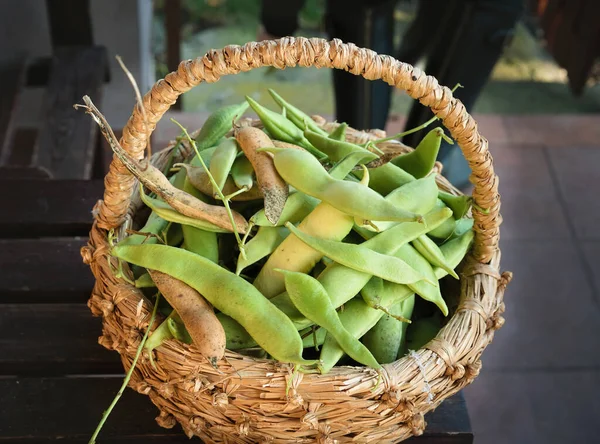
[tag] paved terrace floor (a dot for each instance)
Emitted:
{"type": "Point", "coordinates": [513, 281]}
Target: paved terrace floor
{"type": "Point", "coordinates": [540, 381]}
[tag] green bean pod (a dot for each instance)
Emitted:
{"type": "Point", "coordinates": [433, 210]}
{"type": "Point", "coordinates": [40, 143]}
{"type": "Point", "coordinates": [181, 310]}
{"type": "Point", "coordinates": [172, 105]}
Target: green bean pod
{"type": "Point", "coordinates": [418, 196]}
{"type": "Point", "coordinates": [421, 160]}
{"type": "Point", "coordinates": [242, 173]}
{"type": "Point", "coordinates": [266, 240]}
{"type": "Point", "coordinates": [361, 258]}
{"type": "Point", "coordinates": [358, 317]}
{"type": "Point", "coordinates": [343, 283]}
{"type": "Point", "coordinates": [295, 115]}
{"type": "Point", "coordinates": [218, 124]}
{"type": "Point", "coordinates": [227, 292]}
{"type": "Point", "coordinates": [144, 281]}
{"type": "Point", "coordinates": [222, 161]}
{"type": "Point", "coordinates": [206, 156]}
{"type": "Point", "coordinates": [339, 133]}
{"type": "Point", "coordinates": [297, 207]}
{"type": "Point", "coordinates": [306, 174]}
{"type": "Point", "coordinates": [386, 337]}
{"type": "Point", "coordinates": [353, 281]}
{"type": "Point", "coordinates": [282, 129]}
{"type": "Point", "coordinates": [311, 299]}
{"type": "Point", "coordinates": [159, 335]}
{"type": "Point", "coordinates": [342, 168]}
{"type": "Point", "coordinates": [177, 328]}
{"type": "Point", "coordinates": [460, 205]}
{"type": "Point", "coordinates": [430, 251]}
{"type": "Point", "coordinates": [292, 254]}
{"type": "Point", "coordinates": [384, 179]}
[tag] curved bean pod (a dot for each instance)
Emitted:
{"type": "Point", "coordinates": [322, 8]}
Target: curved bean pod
{"type": "Point", "coordinates": [196, 313]}
{"type": "Point", "coordinates": [295, 115]}
{"type": "Point", "coordinates": [232, 295]}
{"type": "Point", "coordinates": [292, 254]}
{"type": "Point", "coordinates": [388, 335]}
{"type": "Point", "coordinates": [421, 160]}
{"type": "Point", "coordinates": [306, 174]}
{"type": "Point", "coordinates": [311, 299]}
{"type": "Point", "coordinates": [222, 161]}
{"type": "Point", "coordinates": [218, 124]}
{"type": "Point", "coordinates": [339, 133]}
{"type": "Point", "coordinates": [242, 173]}
{"type": "Point", "coordinates": [430, 251]}
{"type": "Point", "coordinates": [266, 240]}
{"type": "Point", "coordinates": [281, 128]}
{"type": "Point", "coordinates": [361, 258]}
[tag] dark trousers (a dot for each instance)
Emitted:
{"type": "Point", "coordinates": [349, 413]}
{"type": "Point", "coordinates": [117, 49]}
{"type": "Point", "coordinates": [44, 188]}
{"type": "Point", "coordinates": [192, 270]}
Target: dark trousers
{"type": "Point", "coordinates": [461, 41]}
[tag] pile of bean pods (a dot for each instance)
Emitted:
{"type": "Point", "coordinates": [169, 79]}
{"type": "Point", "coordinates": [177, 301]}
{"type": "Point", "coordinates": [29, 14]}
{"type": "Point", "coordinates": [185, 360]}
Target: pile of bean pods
{"type": "Point", "coordinates": [291, 243]}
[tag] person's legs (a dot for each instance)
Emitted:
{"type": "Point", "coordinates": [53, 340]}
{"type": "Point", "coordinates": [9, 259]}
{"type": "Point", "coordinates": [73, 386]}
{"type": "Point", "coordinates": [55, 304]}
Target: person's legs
{"type": "Point", "coordinates": [473, 42]}
{"type": "Point", "coordinates": [363, 104]}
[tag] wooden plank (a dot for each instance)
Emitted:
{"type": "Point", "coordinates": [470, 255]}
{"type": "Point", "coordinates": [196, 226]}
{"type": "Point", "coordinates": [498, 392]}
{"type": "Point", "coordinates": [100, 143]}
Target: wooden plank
{"type": "Point", "coordinates": [39, 68]}
{"type": "Point", "coordinates": [67, 138]}
{"type": "Point", "coordinates": [22, 147]}
{"type": "Point", "coordinates": [44, 270]}
{"type": "Point", "coordinates": [38, 208]}
{"type": "Point", "coordinates": [70, 22]}
{"type": "Point", "coordinates": [70, 408]}
{"type": "Point", "coordinates": [52, 339]}
{"type": "Point", "coordinates": [12, 79]}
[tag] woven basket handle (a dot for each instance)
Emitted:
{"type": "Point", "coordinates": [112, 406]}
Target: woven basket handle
{"type": "Point", "coordinates": [320, 53]}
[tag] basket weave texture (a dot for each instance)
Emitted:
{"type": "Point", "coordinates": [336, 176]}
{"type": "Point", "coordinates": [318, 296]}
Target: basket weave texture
{"type": "Point", "coordinates": [250, 400]}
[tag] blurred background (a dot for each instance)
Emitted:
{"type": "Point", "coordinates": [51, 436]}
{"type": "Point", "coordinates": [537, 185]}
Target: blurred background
{"type": "Point", "coordinates": [539, 109]}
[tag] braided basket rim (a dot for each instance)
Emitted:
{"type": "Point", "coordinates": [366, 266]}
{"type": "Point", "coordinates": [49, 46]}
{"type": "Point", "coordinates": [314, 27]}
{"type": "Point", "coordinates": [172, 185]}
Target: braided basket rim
{"type": "Point", "coordinates": [251, 400]}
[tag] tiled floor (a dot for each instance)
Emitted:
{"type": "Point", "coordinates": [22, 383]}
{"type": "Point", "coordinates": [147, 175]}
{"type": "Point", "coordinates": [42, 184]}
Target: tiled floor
{"type": "Point", "coordinates": [540, 382]}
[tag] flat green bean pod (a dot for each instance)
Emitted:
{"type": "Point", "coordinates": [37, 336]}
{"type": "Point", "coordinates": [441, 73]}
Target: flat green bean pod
{"type": "Point", "coordinates": [306, 174]}
{"type": "Point", "coordinates": [460, 205]}
{"type": "Point", "coordinates": [218, 124]}
{"type": "Point", "coordinates": [384, 179]}
{"type": "Point", "coordinates": [242, 173]}
{"type": "Point", "coordinates": [295, 115]}
{"type": "Point", "coordinates": [281, 128]}
{"type": "Point", "coordinates": [222, 161]}
{"type": "Point", "coordinates": [388, 335]}
{"type": "Point", "coordinates": [361, 258]}
{"type": "Point", "coordinates": [339, 133]}
{"type": "Point", "coordinates": [342, 168]}
{"type": "Point", "coordinates": [421, 160]}
{"type": "Point", "coordinates": [229, 293]}
{"type": "Point", "coordinates": [266, 240]}
{"type": "Point", "coordinates": [418, 196]}
{"type": "Point", "coordinates": [312, 300]}
{"type": "Point", "coordinates": [430, 251]}
{"type": "Point", "coordinates": [358, 317]}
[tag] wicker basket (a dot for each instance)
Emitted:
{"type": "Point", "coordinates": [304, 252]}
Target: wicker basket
{"type": "Point", "coordinates": [245, 400]}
